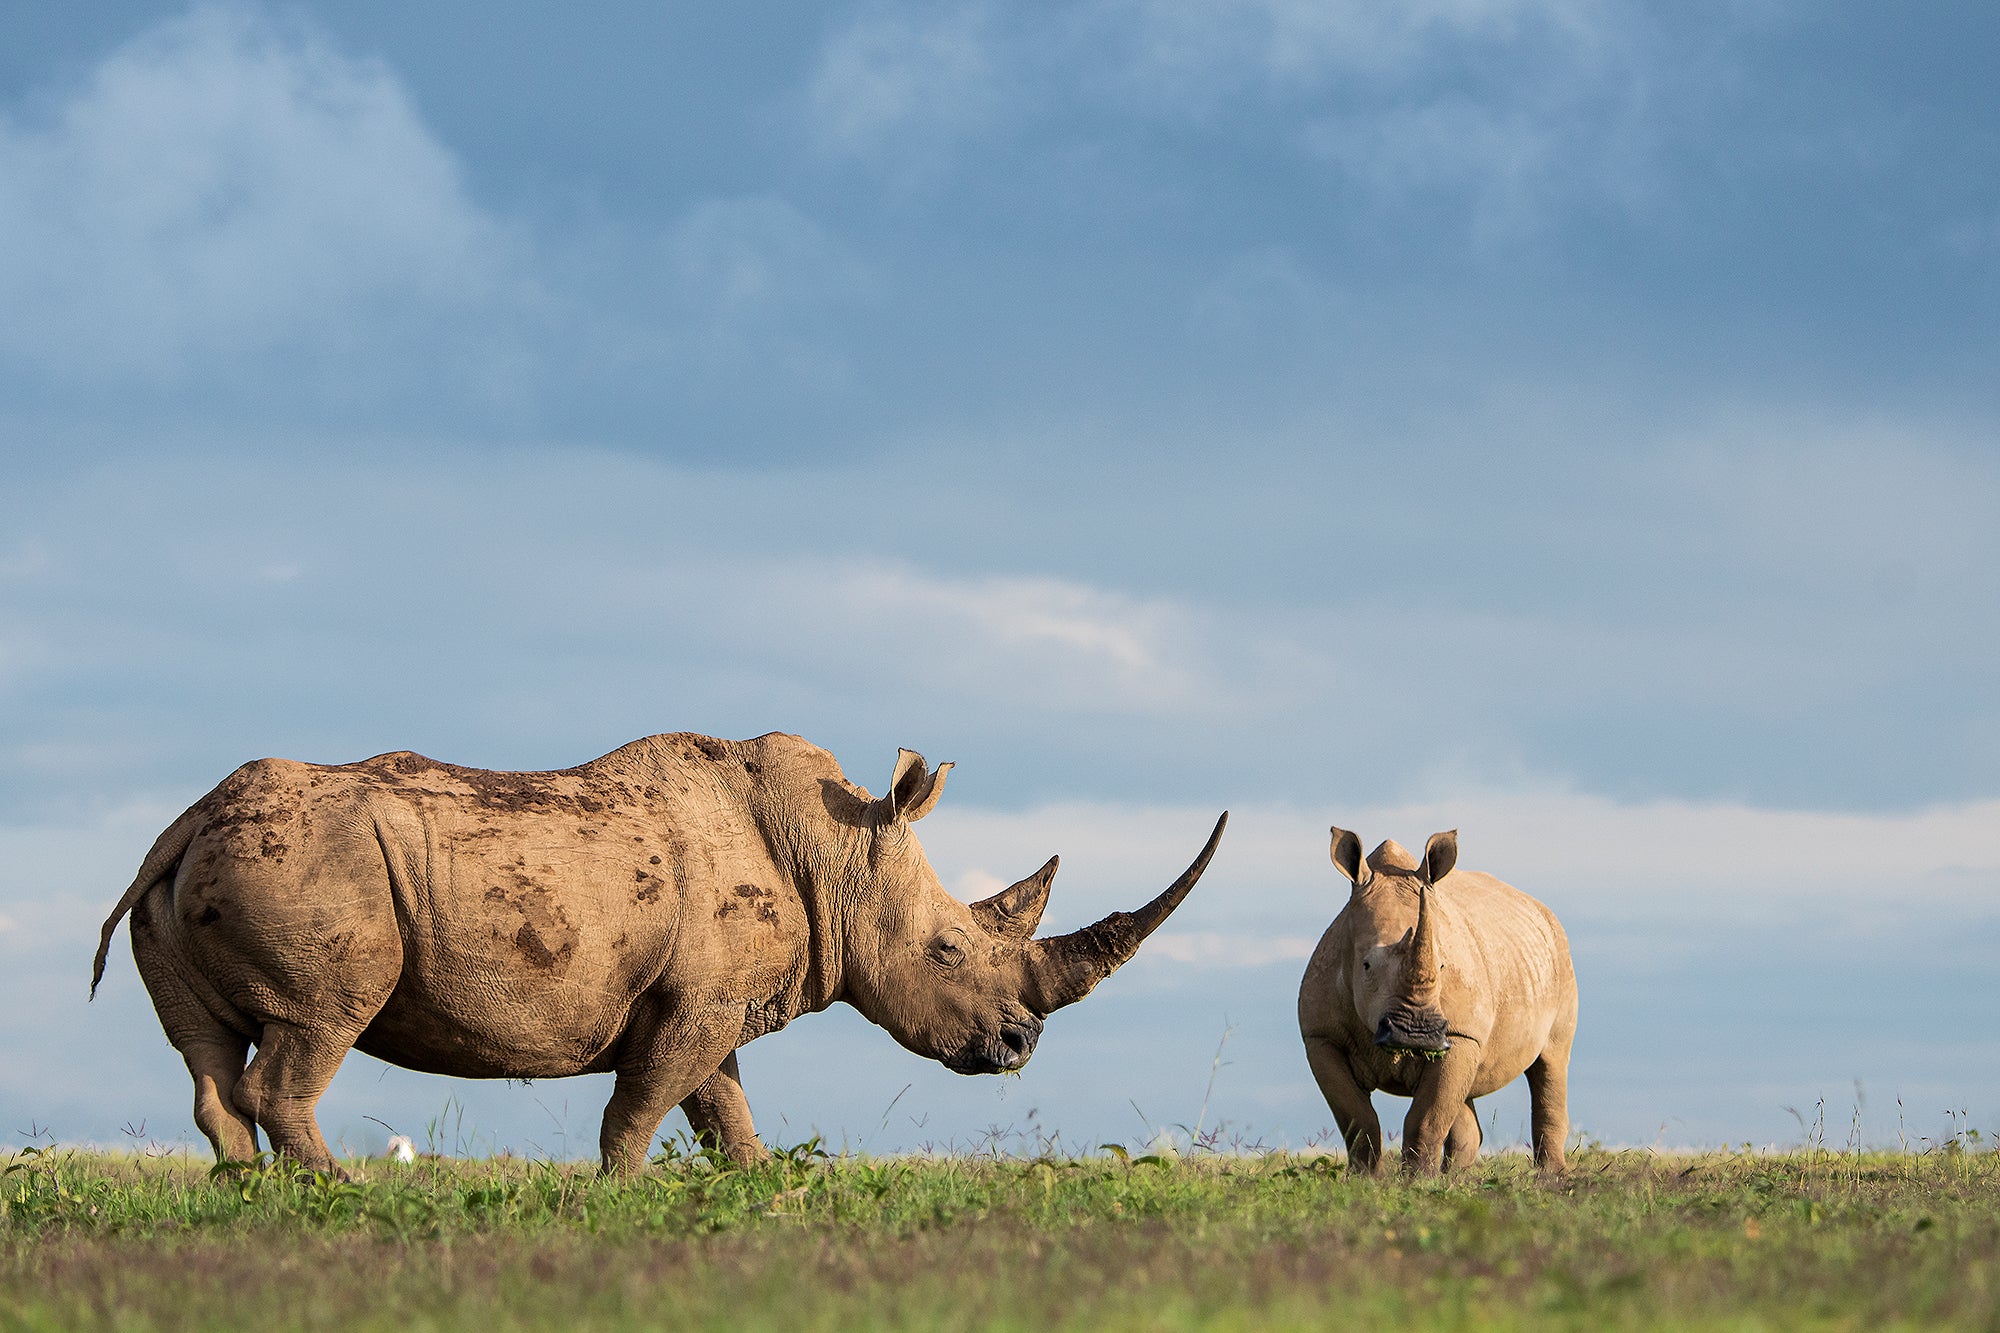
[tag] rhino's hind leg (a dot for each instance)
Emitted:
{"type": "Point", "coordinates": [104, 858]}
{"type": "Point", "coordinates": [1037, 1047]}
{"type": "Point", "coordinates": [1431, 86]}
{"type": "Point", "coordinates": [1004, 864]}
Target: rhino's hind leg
{"type": "Point", "coordinates": [1548, 1101]}
{"type": "Point", "coordinates": [214, 1054]}
{"type": "Point", "coordinates": [216, 1067]}
{"type": "Point", "coordinates": [719, 1115]}
{"type": "Point", "coordinates": [1461, 1146]}
{"type": "Point", "coordinates": [215, 1057]}
{"type": "Point", "coordinates": [279, 1090]}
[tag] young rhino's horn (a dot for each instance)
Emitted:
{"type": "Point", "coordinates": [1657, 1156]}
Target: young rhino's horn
{"type": "Point", "coordinates": [1423, 969]}
{"type": "Point", "coordinates": [1064, 969]}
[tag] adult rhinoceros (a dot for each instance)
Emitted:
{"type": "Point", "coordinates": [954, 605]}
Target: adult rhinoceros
{"type": "Point", "coordinates": [1439, 985]}
{"type": "Point", "coordinates": [645, 913]}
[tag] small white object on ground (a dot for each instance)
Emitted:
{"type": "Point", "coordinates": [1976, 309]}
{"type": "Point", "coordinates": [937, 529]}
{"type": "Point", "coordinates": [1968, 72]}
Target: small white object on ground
{"type": "Point", "coordinates": [401, 1149]}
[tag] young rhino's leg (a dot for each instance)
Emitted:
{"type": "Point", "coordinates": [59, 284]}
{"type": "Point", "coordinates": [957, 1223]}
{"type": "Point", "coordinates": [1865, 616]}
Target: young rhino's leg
{"type": "Point", "coordinates": [1352, 1110]}
{"type": "Point", "coordinates": [719, 1115]}
{"type": "Point", "coordinates": [1548, 1103]}
{"type": "Point", "coordinates": [1461, 1145]}
{"type": "Point", "coordinates": [1434, 1111]}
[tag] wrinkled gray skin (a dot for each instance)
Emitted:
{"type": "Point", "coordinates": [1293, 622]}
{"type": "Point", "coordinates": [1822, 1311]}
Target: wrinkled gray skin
{"type": "Point", "coordinates": [645, 913]}
{"type": "Point", "coordinates": [1439, 985]}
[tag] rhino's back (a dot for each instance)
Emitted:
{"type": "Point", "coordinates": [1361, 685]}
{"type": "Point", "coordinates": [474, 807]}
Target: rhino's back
{"type": "Point", "coordinates": [1512, 957]}
{"type": "Point", "coordinates": [518, 914]}
{"type": "Point", "coordinates": [1518, 937]}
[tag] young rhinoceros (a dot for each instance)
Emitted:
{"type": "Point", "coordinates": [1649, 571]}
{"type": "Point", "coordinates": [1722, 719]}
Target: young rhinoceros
{"type": "Point", "coordinates": [1440, 986]}
{"type": "Point", "coordinates": [644, 914]}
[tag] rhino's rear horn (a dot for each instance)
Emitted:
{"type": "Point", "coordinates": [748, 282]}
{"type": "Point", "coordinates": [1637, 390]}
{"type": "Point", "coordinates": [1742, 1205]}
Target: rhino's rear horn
{"type": "Point", "coordinates": [1015, 911]}
{"type": "Point", "coordinates": [1064, 969]}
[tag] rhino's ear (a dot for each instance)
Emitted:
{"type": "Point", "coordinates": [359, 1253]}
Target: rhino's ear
{"type": "Point", "coordinates": [1015, 911]}
{"type": "Point", "coordinates": [1440, 855]}
{"type": "Point", "coordinates": [1347, 858]}
{"type": "Point", "coordinates": [913, 790]}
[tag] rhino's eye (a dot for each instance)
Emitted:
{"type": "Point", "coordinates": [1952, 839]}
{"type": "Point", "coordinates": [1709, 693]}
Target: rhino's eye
{"type": "Point", "coordinates": [1365, 965]}
{"type": "Point", "coordinates": [946, 953]}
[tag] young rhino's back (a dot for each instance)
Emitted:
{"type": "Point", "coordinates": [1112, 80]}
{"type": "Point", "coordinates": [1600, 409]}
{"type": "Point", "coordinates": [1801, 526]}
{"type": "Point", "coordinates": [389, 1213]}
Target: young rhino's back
{"type": "Point", "coordinates": [1514, 961]}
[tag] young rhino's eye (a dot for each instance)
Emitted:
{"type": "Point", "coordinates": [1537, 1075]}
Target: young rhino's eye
{"type": "Point", "coordinates": [947, 953]}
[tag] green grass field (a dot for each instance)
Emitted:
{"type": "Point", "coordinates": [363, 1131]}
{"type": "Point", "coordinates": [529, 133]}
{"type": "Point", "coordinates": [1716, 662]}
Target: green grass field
{"type": "Point", "coordinates": [1628, 1240]}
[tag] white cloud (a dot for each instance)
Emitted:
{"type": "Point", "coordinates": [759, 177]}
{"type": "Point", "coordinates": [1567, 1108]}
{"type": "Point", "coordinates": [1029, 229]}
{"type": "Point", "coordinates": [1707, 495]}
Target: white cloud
{"type": "Point", "coordinates": [1038, 643]}
{"type": "Point", "coordinates": [1508, 104]}
{"type": "Point", "coordinates": [230, 209]}
{"type": "Point", "coordinates": [58, 881]}
{"type": "Point", "coordinates": [1504, 153]}
{"type": "Point", "coordinates": [216, 188]}
{"type": "Point", "coordinates": [916, 81]}
{"type": "Point", "coordinates": [1264, 295]}
{"type": "Point", "coordinates": [748, 278]}
{"type": "Point", "coordinates": [1680, 865]}
{"type": "Point", "coordinates": [1071, 627]}
{"type": "Point", "coordinates": [1208, 948]}
{"type": "Point", "coordinates": [1306, 42]}
{"type": "Point", "coordinates": [28, 559]}
{"type": "Point", "coordinates": [1270, 891]}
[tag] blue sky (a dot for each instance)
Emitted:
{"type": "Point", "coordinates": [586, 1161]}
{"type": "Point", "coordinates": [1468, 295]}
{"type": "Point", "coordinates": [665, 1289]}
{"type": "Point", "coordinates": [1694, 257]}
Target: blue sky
{"type": "Point", "coordinates": [1567, 422]}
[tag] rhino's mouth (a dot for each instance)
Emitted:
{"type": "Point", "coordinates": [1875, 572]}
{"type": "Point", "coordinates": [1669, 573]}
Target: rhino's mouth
{"type": "Point", "coordinates": [1001, 1052]}
{"type": "Point", "coordinates": [1405, 1032]}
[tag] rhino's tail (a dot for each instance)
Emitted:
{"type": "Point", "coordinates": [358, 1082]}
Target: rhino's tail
{"type": "Point", "coordinates": [167, 851]}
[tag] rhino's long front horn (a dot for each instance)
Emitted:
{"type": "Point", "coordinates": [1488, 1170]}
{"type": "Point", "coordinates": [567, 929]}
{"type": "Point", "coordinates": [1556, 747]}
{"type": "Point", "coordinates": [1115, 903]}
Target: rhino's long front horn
{"type": "Point", "coordinates": [1064, 969]}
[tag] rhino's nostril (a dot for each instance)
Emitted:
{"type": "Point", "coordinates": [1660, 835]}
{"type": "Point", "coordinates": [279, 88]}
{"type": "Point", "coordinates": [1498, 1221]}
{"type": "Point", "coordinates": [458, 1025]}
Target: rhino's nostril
{"type": "Point", "coordinates": [1015, 1040]}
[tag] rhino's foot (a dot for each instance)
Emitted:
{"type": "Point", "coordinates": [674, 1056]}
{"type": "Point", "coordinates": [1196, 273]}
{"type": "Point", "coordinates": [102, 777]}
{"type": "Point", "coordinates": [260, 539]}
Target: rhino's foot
{"type": "Point", "coordinates": [747, 1153]}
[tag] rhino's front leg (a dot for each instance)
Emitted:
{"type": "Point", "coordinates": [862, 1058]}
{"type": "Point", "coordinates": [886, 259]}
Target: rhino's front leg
{"type": "Point", "coordinates": [662, 1065]}
{"type": "Point", "coordinates": [719, 1115]}
{"type": "Point", "coordinates": [1461, 1146]}
{"type": "Point", "coordinates": [1348, 1100]}
{"type": "Point", "coordinates": [1440, 1100]}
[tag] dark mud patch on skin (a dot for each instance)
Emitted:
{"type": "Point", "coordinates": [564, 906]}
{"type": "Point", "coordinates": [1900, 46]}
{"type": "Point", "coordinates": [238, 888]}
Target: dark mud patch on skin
{"type": "Point", "coordinates": [207, 916]}
{"type": "Point", "coordinates": [709, 747]}
{"type": "Point", "coordinates": [545, 938]}
{"type": "Point", "coordinates": [648, 885]}
{"type": "Point", "coordinates": [751, 897]}
{"type": "Point", "coordinates": [491, 789]}
{"type": "Point", "coordinates": [529, 941]}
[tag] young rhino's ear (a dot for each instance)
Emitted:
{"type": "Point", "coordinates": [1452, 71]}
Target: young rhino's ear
{"type": "Point", "coordinates": [1440, 855]}
{"type": "Point", "coordinates": [913, 790]}
{"type": "Point", "coordinates": [1347, 858]}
